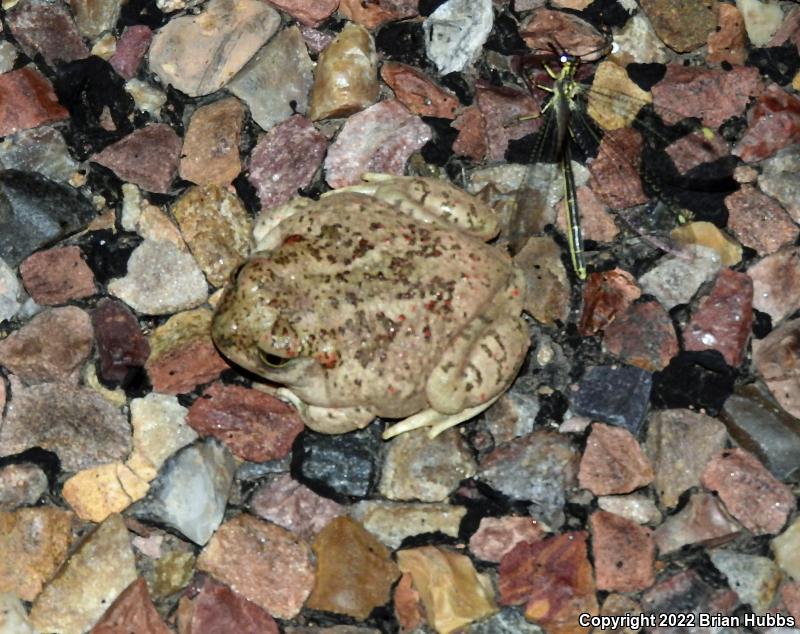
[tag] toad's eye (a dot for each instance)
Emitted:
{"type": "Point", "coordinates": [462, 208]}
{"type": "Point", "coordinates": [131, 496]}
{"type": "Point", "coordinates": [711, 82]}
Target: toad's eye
{"type": "Point", "coordinates": [273, 360]}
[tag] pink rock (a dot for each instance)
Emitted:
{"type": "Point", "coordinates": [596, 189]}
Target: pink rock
{"type": "Point", "coordinates": [211, 143]}
{"type": "Point", "coordinates": [285, 160]}
{"type": "Point", "coordinates": [711, 95]}
{"type": "Point", "coordinates": [545, 29]}
{"type": "Point", "coordinates": [790, 593]}
{"type": "Point", "coordinates": [613, 462]}
{"type": "Point", "coordinates": [46, 28]}
{"type": "Point", "coordinates": [188, 364]}
{"type": "Point", "coordinates": [789, 30]}
{"type": "Point", "coordinates": [776, 283]}
{"type": "Point", "coordinates": [27, 100]}
{"type": "Point", "coordinates": [724, 317]}
{"type": "Point", "coordinates": [378, 139]}
{"type": "Point", "coordinates": [122, 347]}
{"type": "Point", "coordinates": [759, 501]}
{"type": "Point", "coordinates": [643, 336]}
{"type": "Point", "coordinates": [728, 43]}
{"type": "Point", "coordinates": [131, 47]}
{"type": "Point", "coordinates": [777, 358]}
{"type": "Point", "coordinates": [758, 221]}
{"type": "Point", "coordinates": [147, 157]}
{"type": "Point", "coordinates": [623, 553]}
{"type": "Point", "coordinates": [614, 173]}
{"type": "Point", "coordinates": [687, 589]}
{"type": "Point", "coordinates": [288, 503]}
{"type": "Point", "coordinates": [502, 110]}
{"type": "Point", "coordinates": [255, 426]}
{"type": "Point", "coordinates": [417, 92]}
{"type": "Point", "coordinates": [308, 13]}
{"type": "Point", "coordinates": [471, 139]}
{"type": "Point", "coordinates": [217, 608]}
{"type": "Point", "coordinates": [496, 536]}
{"type": "Point", "coordinates": [132, 611]}
{"type": "Point", "coordinates": [373, 14]}
{"type": "Point", "coordinates": [408, 608]}
{"type": "Point", "coordinates": [774, 124]}
{"type": "Point", "coordinates": [315, 40]}
{"type": "Point", "coordinates": [57, 275]}
{"type": "Point", "coordinates": [606, 294]}
{"type": "Point", "coordinates": [702, 521]}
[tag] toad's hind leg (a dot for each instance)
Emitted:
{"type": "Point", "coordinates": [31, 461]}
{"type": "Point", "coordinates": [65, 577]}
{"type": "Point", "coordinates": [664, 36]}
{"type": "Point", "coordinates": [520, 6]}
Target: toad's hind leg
{"type": "Point", "coordinates": [471, 374]}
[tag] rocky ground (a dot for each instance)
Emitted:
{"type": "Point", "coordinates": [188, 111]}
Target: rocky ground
{"type": "Point", "coordinates": [645, 461]}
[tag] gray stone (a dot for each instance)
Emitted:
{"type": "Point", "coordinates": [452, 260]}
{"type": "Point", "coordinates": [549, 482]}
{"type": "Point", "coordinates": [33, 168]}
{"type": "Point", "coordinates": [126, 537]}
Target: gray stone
{"type": "Point", "coordinates": [507, 621]}
{"type": "Point", "coordinates": [755, 579]}
{"type": "Point", "coordinates": [618, 395]}
{"type": "Point", "coordinates": [191, 490]}
{"type": "Point", "coordinates": [42, 150]}
{"type": "Point", "coordinates": [455, 33]}
{"type": "Point", "coordinates": [21, 485]}
{"type": "Point", "coordinates": [8, 55]}
{"type": "Point", "coordinates": [780, 178]}
{"type": "Point", "coordinates": [675, 280]}
{"type": "Point", "coordinates": [10, 292]}
{"type": "Point", "coordinates": [35, 211]}
{"type": "Point", "coordinates": [392, 522]}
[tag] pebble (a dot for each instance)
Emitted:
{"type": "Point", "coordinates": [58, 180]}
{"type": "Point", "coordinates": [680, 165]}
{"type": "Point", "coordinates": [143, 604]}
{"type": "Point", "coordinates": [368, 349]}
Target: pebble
{"type": "Point", "coordinates": [96, 493]}
{"type": "Point", "coordinates": [507, 621]}
{"type": "Point", "coordinates": [496, 536]}
{"type": "Point", "coordinates": [147, 157]}
{"type": "Point", "coordinates": [456, 32]}
{"type": "Point", "coordinates": [623, 553]}
{"type": "Point", "coordinates": [757, 423]}
{"type": "Point", "coordinates": [780, 178]}
{"type": "Point", "coordinates": [776, 283]}
{"type": "Point", "coordinates": [121, 347]}
{"type": "Point", "coordinates": [755, 579]}
{"type": "Point", "coordinates": [761, 19]}
{"type": "Point", "coordinates": [775, 357]}
{"type": "Point", "coordinates": [343, 465]}
{"type": "Point", "coordinates": [617, 183]}
{"type": "Point", "coordinates": [606, 294]}
{"type": "Point", "coordinates": [417, 92]}
{"type": "Point", "coordinates": [642, 336]}
{"type": "Point", "coordinates": [199, 54]}
{"type": "Point", "coordinates": [148, 220]}
{"type": "Point", "coordinates": [618, 395]}
{"type": "Point", "coordinates": [214, 607]}
{"type": "Point", "coordinates": [786, 547]}
{"type": "Point", "coordinates": [285, 160]}
{"type": "Point", "coordinates": [37, 212]}
{"type": "Point", "coordinates": [635, 507]}
{"type": "Point", "coordinates": [133, 610]}
{"type": "Point", "coordinates": [682, 27]}
{"type": "Point", "coordinates": [216, 227]}
{"type": "Point", "coordinates": [514, 413]}
{"type": "Point", "coordinates": [15, 617]}
{"type": "Point", "coordinates": [308, 13]}
{"type": "Point", "coordinates": [547, 298]}
{"type": "Point", "coordinates": [680, 444]}
{"type": "Point", "coordinates": [703, 521]}
{"type": "Point", "coordinates": [392, 522]}
{"type": "Point", "coordinates": [130, 49]}
{"type": "Point", "coordinates": [638, 43]}
{"type": "Point", "coordinates": [723, 318]}
{"type": "Point", "coordinates": [355, 571]}
{"type": "Point", "coordinates": [159, 430]}
{"type": "Point", "coordinates": [759, 222]}
{"type": "Point", "coordinates": [471, 140]}
{"type": "Point", "coordinates": [575, 35]}
{"type": "Point", "coordinates": [10, 292]}
{"type": "Point", "coordinates": [50, 347]}
{"type": "Point", "coordinates": [774, 123]}
{"type": "Point", "coordinates": [729, 42]}
{"type": "Point", "coordinates": [453, 592]}
{"type": "Point", "coordinates": [597, 222]}
{"type": "Point", "coordinates": [613, 462]}
{"type": "Point", "coordinates": [380, 139]}
{"type": "Point", "coordinates": [408, 608]}
{"type": "Point", "coordinates": [146, 97]}
{"type": "Point", "coordinates": [33, 544]}
{"type": "Point", "coordinates": [161, 280]}
{"type": "Point", "coordinates": [21, 484]}
{"type": "Point", "coordinates": [285, 502]}
{"type": "Point", "coordinates": [75, 423]}
{"type": "Point", "coordinates": [94, 17]}
{"type": "Point", "coordinates": [90, 580]}
{"type": "Point", "coordinates": [275, 84]}
{"type": "Point", "coordinates": [255, 426]}
{"type": "Point", "coordinates": [420, 468]}
{"type": "Point", "coordinates": [210, 153]}
{"type": "Point", "coordinates": [706, 234]}
{"type": "Point", "coordinates": [46, 28]}
{"type": "Point", "coordinates": [540, 467]}
{"type": "Point", "coordinates": [612, 79]}
{"type": "Point", "coordinates": [685, 592]}
{"type": "Point", "coordinates": [191, 490]}
{"type": "Point", "coordinates": [8, 56]}
{"type": "Point", "coordinates": [29, 101]}
{"type": "Point", "coordinates": [750, 493]}
{"type": "Point", "coordinates": [42, 150]}
{"type": "Point", "coordinates": [790, 594]}
{"type": "Point", "coordinates": [553, 579]}
{"type": "Point", "coordinates": [267, 564]}
{"type": "Point", "coordinates": [502, 110]}
{"type": "Point", "coordinates": [675, 280]}
{"type": "Point", "coordinates": [346, 76]}
{"type": "Point", "coordinates": [57, 276]}
{"type": "Point", "coordinates": [372, 15]}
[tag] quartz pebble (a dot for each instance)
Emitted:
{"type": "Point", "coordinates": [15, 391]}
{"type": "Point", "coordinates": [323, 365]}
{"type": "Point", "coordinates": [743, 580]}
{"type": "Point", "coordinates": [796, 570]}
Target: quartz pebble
{"type": "Point", "coordinates": [91, 579]}
{"type": "Point", "coordinates": [455, 33]}
{"type": "Point", "coordinates": [94, 17]}
{"type": "Point", "coordinates": [635, 507]}
{"type": "Point", "coordinates": [703, 521]}
{"type": "Point", "coordinates": [346, 77]}
{"type": "Point", "coordinates": [285, 160]}
{"type": "Point", "coordinates": [211, 145]}
{"type": "Point", "coordinates": [191, 490]}
{"type": "Point", "coordinates": [46, 28]}
{"type": "Point", "coordinates": [266, 564]}
{"type": "Point", "coordinates": [755, 579]}
{"type": "Point", "coordinates": [613, 462]}
{"type": "Point", "coordinates": [15, 616]}
{"type": "Point", "coordinates": [121, 346]}
{"type": "Point", "coordinates": [379, 139]}
{"type": "Point", "coordinates": [275, 84]}
{"type": "Point", "coordinates": [199, 54]}
{"type": "Point", "coordinates": [614, 394]}
{"type": "Point", "coordinates": [496, 536]}
{"type": "Point", "coordinates": [776, 283]}
{"type": "Point", "coordinates": [761, 19]}
{"type": "Point", "coordinates": [161, 280]}
{"type": "Point", "coordinates": [10, 292]}
{"type": "Point", "coordinates": [355, 571]}
{"type": "Point", "coordinates": [453, 592]}
{"type": "Point", "coordinates": [21, 484]}
{"type": "Point", "coordinates": [392, 522]}
{"type": "Point", "coordinates": [623, 553]}
{"type": "Point", "coordinates": [57, 275]}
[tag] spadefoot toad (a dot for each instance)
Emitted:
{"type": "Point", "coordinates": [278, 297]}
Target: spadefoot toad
{"type": "Point", "coordinates": [379, 299]}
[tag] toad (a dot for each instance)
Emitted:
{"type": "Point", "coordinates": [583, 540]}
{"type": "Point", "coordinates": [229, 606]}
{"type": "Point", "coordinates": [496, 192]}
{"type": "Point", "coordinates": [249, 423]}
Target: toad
{"type": "Point", "coordinates": [380, 299]}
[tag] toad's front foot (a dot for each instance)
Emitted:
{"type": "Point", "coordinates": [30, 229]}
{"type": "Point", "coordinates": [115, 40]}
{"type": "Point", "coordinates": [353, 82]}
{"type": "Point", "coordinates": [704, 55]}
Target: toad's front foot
{"type": "Point", "coordinates": [436, 421]}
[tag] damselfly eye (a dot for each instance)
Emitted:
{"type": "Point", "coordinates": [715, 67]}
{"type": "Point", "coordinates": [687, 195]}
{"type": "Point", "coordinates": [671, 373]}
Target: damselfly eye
{"type": "Point", "coordinates": [563, 59]}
